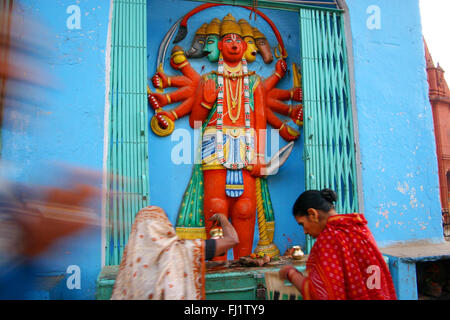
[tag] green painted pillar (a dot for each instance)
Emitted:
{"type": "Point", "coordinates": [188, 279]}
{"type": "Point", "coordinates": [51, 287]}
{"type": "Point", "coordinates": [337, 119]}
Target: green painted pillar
{"type": "Point", "coordinates": [128, 121]}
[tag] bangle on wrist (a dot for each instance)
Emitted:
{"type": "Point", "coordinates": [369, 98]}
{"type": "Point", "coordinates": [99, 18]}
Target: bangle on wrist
{"type": "Point", "coordinates": [278, 75]}
{"type": "Point", "coordinates": [169, 101]}
{"type": "Point", "coordinates": [174, 114]}
{"type": "Point", "coordinates": [205, 105]}
{"type": "Point", "coordinates": [169, 82]}
{"type": "Point", "coordinates": [182, 65]}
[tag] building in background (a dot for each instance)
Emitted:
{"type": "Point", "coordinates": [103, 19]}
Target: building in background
{"type": "Point", "coordinates": [440, 103]}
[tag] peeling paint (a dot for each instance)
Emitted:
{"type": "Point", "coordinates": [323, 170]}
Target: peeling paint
{"type": "Point", "coordinates": [403, 188]}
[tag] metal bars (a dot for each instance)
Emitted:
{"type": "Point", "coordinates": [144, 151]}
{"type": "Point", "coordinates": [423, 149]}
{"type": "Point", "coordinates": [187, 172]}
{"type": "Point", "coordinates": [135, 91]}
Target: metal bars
{"type": "Point", "coordinates": [329, 147]}
{"type": "Point", "coordinates": [127, 163]}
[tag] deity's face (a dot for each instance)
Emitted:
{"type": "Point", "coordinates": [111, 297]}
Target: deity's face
{"type": "Point", "coordinates": [211, 49]}
{"type": "Point", "coordinates": [250, 53]}
{"type": "Point", "coordinates": [265, 50]}
{"type": "Point", "coordinates": [232, 47]}
{"type": "Point", "coordinates": [196, 50]}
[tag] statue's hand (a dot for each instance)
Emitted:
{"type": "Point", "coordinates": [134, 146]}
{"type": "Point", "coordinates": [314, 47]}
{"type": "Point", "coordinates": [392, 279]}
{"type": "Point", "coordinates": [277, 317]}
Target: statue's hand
{"type": "Point", "coordinates": [168, 115]}
{"type": "Point", "coordinates": [157, 100]}
{"type": "Point", "coordinates": [288, 134]}
{"type": "Point", "coordinates": [160, 80]}
{"type": "Point", "coordinates": [178, 59]}
{"type": "Point", "coordinates": [297, 94]}
{"type": "Point", "coordinates": [281, 67]}
{"type": "Point", "coordinates": [256, 170]}
{"type": "Point", "coordinates": [297, 115]}
{"type": "Point", "coordinates": [210, 92]}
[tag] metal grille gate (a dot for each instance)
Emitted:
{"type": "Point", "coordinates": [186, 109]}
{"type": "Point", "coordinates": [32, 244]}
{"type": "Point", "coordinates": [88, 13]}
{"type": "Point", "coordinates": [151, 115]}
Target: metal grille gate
{"type": "Point", "coordinates": [329, 147]}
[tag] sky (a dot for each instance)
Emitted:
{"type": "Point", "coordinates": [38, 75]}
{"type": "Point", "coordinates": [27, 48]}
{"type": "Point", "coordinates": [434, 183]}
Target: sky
{"type": "Point", "coordinates": [436, 30]}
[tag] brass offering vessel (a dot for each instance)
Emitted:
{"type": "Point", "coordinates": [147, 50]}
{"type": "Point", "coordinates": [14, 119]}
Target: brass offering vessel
{"type": "Point", "coordinates": [297, 254]}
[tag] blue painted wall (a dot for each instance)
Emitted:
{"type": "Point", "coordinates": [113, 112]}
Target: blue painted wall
{"type": "Point", "coordinates": [64, 124]}
{"type": "Point", "coordinates": [396, 137]}
{"type": "Point", "coordinates": [399, 167]}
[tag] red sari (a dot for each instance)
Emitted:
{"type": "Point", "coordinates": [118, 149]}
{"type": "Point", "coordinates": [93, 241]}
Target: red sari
{"type": "Point", "coordinates": [345, 263]}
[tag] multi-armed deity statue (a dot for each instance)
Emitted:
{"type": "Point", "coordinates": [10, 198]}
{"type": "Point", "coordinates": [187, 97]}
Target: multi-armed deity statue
{"type": "Point", "coordinates": [233, 106]}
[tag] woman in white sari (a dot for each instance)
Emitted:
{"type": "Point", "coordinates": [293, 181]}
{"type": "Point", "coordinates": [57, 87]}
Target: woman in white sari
{"type": "Point", "coordinates": [156, 264]}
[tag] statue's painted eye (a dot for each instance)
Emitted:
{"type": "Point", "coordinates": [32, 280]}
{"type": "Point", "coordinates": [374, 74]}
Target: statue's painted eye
{"type": "Point", "coordinates": [201, 41]}
{"type": "Point", "coordinates": [250, 42]}
{"type": "Point", "coordinates": [228, 41]}
{"type": "Point", "coordinates": [210, 41]}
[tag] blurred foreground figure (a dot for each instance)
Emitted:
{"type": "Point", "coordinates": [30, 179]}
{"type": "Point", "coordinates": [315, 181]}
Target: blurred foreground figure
{"type": "Point", "coordinates": [33, 218]}
{"type": "Point", "coordinates": [25, 51]}
{"type": "Point", "coordinates": [157, 265]}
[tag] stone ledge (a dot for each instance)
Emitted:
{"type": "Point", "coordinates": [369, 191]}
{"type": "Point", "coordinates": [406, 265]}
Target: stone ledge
{"type": "Point", "coordinates": [418, 251]}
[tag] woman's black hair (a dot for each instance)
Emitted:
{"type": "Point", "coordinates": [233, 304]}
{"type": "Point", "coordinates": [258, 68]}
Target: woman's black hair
{"type": "Point", "coordinates": [319, 200]}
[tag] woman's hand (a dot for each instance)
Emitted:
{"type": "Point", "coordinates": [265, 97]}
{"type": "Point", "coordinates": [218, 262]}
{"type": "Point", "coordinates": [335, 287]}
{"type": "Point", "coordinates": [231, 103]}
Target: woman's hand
{"type": "Point", "coordinates": [292, 275]}
{"type": "Point", "coordinates": [230, 237]}
{"type": "Point", "coordinates": [285, 271]}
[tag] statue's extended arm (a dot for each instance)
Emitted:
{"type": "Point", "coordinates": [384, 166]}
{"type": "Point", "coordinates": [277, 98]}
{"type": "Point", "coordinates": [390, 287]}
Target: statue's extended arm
{"type": "Point", "coordinates": [260, 130]}
{"type": "Point", "coordinates": [280, 72]}
{"type": "Point", "coordinates": [187, 82]}
{"type": "Point", "coordinates": [161, 81]}
{"type": "Point", "coordinates": [294, 94]}
{"type": "Point", "coordinates": [285, 131]}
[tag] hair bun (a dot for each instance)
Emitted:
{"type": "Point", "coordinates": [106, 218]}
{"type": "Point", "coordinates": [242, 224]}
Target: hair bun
{"type": "Point", "coordinates": [329, 195]}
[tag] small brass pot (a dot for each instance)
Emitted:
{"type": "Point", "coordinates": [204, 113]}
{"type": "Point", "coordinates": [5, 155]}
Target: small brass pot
{"type": "Point", "coordinates": [297, 254]}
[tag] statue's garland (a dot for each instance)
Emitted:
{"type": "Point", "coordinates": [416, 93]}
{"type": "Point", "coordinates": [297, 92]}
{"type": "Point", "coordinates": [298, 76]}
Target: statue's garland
{"type": "Point", "coordinates": [191, 221]}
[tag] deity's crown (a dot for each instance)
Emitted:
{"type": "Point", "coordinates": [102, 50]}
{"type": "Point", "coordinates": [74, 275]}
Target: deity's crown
{"type": "Point", "coordinates": [202, 30]}
{"type": "Point", "coordinates": [229, 25]}
{"type": "Point", "coordinates": [246, 28]}
{"type": "Point", "coordinates": [258, 34]}
{"type": "Point", "coordinates": [213, 27]}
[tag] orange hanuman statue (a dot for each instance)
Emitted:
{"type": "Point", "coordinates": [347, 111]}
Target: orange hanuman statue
{"type": "Point", "coordinates": [234, 107]}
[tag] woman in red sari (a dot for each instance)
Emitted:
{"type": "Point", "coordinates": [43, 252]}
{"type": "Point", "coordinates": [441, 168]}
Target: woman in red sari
{"type": "Point", "coordinates": [344, 263]}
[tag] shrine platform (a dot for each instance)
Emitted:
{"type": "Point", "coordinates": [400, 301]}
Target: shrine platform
{"type": "Point", "coordinates": [403, 258]}
{"type": "Point", "coordinates": [226, 281]}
